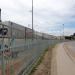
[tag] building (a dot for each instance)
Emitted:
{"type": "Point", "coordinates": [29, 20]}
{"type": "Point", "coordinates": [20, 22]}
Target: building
{"type": "Point", "coordinates": [21, 32]}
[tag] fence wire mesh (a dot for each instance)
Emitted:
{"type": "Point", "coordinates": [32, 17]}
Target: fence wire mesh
{"type": "Point", "coordinates": [18, 52]}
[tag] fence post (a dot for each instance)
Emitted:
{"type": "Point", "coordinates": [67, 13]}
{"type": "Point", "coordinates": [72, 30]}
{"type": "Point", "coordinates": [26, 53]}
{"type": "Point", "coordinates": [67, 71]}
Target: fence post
{"type": "Point", "coordinates": [3, 63]}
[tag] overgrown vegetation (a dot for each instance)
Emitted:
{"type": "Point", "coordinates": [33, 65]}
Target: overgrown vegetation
{"type": "Point", "coordinates": [71, 37]}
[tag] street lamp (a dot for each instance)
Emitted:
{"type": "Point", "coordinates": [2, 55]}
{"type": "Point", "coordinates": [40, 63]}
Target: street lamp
{"type": "Point", "coordinates": [63, 31]}
{"type": "Point", "coordinates": [32, 22]}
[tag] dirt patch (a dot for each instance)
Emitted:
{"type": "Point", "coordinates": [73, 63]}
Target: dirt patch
{"type": "Point", "coordinates": [45, 67]}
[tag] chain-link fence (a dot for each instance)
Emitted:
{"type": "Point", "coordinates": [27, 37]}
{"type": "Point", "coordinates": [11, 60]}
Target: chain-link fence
{"type": "Point", "coordinates": [18, 52]}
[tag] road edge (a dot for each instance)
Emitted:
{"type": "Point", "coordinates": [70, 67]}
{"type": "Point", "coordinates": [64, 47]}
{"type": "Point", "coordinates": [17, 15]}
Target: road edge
{"type": "Point", "coordinates": [53, 61]}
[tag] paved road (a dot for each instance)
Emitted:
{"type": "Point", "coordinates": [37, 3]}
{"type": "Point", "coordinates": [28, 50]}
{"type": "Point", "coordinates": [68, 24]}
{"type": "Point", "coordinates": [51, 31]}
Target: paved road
{"type": "Point", "coordinates": [65, 59]}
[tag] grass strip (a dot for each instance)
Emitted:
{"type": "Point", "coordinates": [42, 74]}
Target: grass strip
{"type": "Point", "coordinates": [40, 59]}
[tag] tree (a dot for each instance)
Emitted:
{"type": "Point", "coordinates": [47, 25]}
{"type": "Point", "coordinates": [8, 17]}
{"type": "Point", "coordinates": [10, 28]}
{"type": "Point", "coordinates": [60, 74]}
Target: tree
{"type": "Point", "coordinates": [73, 34]}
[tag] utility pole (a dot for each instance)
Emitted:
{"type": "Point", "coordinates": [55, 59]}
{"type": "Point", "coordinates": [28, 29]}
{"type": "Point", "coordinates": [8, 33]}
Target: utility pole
{"type": "Point", "coordinates": [32, 22]}
{"type": "Point", "coordinates": [63, 31]}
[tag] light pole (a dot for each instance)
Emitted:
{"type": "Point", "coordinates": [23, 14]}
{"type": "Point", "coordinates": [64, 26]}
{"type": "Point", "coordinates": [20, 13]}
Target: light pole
{"type": "Point", "coordinates": [63, 31]}
{"type": "Point", "coordinates": [32, 22]}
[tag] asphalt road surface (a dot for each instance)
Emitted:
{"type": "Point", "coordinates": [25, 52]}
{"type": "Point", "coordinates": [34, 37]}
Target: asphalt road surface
{"type": "Point", "coordinates": [64, 59]}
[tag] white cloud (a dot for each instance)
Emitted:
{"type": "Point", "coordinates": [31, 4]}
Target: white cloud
{"type": "Point", "coordinates": [69, 31]}
{"type": "Point", "coordinates": [48, 14]}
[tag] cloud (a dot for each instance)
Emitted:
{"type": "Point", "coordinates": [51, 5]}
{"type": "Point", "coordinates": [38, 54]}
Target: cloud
{"type": "Point", "coordinates": [49, 15]}
{"type": "Point", "coordinates": [69, 31]}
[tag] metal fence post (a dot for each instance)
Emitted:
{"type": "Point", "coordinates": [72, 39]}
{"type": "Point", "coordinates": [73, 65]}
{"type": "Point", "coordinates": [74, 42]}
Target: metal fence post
{"type": "Point", "coordinates": [3, 62]}
{"type": "Point", "coordinates": [25, 34]}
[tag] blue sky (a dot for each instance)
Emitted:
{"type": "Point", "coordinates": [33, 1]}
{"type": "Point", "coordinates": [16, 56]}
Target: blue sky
{"type": "Point", "coordinates": [49, 15]}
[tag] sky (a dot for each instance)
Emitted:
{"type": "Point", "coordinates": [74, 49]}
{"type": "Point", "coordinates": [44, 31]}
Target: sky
{"type": "Point", "coordinates": [49, 15]}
